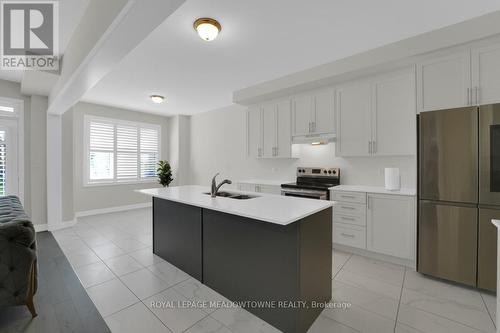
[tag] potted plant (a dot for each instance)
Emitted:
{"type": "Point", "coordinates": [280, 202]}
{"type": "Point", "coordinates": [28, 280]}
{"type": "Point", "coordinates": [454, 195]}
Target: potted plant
{"type": "Point", "coordinates": [164, 173]}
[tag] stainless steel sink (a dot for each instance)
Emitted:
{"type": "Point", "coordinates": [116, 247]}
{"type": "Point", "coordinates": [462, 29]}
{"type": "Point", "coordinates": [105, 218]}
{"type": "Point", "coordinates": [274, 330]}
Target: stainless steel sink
{"type": "Point", "coordinates": [237, 196]}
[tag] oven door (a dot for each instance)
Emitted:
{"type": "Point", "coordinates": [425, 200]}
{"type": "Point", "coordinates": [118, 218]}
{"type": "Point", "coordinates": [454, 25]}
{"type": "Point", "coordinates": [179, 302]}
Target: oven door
{"type": "Point", "coordinates": [304, 193]}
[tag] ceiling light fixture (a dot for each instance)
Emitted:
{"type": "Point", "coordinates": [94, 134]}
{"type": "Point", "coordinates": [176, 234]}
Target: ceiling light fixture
{"type": "Point", "coordinates": [207, 28]}
{"type": "Point", "coordinates": [157, 99]}
{"type": "Point", "coordinates": [318, 143]}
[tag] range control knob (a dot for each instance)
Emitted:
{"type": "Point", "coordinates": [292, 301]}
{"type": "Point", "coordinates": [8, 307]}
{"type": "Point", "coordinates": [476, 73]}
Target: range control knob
{"type": "Point", "coordinates": [324, 171]}
{"type": "Point", "coordinates": [329, 171]}
{"type": "Point", "coordinates": [334, 171]}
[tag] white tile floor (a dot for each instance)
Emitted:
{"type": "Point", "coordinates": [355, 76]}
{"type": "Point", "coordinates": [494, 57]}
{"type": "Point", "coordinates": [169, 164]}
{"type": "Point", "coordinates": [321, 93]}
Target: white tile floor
{"type": "Point", "coordinates": [112, 256]}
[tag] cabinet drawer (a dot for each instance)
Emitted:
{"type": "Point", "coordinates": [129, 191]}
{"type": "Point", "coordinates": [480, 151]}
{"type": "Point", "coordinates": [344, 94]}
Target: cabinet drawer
{"type": "Point", "coordinates": [349, 235]}
{"type": "Point", "coordinates": [356, 197]}
{"type": "Point", "coordinates": [347, 208]}
{"type": "Point", "coordinates": [350, 219]}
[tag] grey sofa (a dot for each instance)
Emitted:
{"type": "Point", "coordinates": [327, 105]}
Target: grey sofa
{"type": "Point", "coordinates": [18, 259]}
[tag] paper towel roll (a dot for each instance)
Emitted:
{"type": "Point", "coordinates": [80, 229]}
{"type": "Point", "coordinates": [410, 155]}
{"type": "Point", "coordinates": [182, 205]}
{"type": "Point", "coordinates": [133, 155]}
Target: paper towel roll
{"type": "Point", "coordinates": [392, 179]}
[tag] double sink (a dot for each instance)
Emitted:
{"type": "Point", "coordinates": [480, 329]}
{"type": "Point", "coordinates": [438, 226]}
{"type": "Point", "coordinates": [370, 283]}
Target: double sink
{"type": "Point", "coordinates": [232, 195]}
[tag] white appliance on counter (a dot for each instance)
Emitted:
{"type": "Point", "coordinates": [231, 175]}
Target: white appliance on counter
{"type": "Point", "coordinates": [392, 179]}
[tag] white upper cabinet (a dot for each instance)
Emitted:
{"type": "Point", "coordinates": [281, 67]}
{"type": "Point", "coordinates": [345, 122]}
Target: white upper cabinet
{"type": "Point", "coordinates": [284, 127]}
{"type": "Point", "coordinates": [394, 114]}
{"type": "Point", "coordinates": [486, 75]}
{"type": "Point", "coordinates": [269, 132]}
{"type": "Point", "coordinates": [301, 117]}
{"type": "Point", "coordinates": [391, 225]}
{"type": "Point", "coordinates": [323, 121]}
{"type": "Point", "coordinates": [377, 116]}
{"type": "Point", "coordinates": [354, 119]}
{"type": "Point", "coordinates": [254, 134]}
{"type": "Point", "coordinates": [314, 114]}
{"type": "Point", "coordinates": [444, 82]}
{"type": "Point", "coordinates": [269, 129]}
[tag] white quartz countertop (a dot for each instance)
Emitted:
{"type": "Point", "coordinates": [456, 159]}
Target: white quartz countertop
{"type": "Point", "coordinates": [265, 182]}
{"type": "Point", "coordinates": [266, 207]}
{"type": "Point", "coordinates": [374, 189]}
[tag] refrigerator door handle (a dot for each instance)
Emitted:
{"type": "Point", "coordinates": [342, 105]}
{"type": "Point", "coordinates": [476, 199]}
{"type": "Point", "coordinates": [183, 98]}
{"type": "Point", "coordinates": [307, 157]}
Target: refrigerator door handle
{"type": "Point", "coordinates": [449, 203]}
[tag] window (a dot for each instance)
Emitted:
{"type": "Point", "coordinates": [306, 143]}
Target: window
{"type": "Point", "coordinates": [119, 151]}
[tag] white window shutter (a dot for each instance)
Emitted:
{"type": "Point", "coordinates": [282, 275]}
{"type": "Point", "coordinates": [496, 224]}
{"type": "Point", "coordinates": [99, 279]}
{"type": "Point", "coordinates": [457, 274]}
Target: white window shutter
{"type": "Point", "coordinates": [101, 136]}
{"type": "Point", "coordinates": [121, 151]}
{"type": "Point", "coordinates": [101, 151]}
{"type": "Point", "coordinates": [149, 152]}
{"type": "Point", "coordinates": [126, 152]}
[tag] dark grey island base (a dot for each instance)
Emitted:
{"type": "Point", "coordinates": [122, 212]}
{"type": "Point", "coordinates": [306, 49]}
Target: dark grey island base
{"type": "Point", "coordinates": [251, 260]}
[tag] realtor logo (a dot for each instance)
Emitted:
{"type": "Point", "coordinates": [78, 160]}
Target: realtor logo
{"type": "Point", "coordinates": [29, 35]}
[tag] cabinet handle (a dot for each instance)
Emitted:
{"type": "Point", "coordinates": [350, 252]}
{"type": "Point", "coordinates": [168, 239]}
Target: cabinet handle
{"type": "Point", "coordinates": [374, 148]}
{"type": "Point", "coordinates": [348, 218]}
{"type": "Point", "coordinates": [314, 126]}
{"type": "Point", "coordinates": [369, 147]}
{"type": "Point", "coordinates": [277, 150]}
{"type": "Point", "coordinates": [348, 196]}
{"type": "Point", "coordinates": [310, 127]}
{"type": "Point", "coordinates": [368, 203]}
{"type": "Point", "coordinates": [347, 235]}
{"type": "Point", "coordinates": [468, 97]}
{"type": "Point", "coordinates": [476, 89]}
{"type": "Point", "coordinates": [346, 207]}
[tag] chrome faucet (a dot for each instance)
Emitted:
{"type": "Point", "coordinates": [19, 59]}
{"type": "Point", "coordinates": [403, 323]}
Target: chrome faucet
{"type": "Point", "coordinates": [215, 188]}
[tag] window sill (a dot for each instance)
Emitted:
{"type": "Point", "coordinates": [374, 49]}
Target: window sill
{"type": "Point", "coordinates": [125, 182]}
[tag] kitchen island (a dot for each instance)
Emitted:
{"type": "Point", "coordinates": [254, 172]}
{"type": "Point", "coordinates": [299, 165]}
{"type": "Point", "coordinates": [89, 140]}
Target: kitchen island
{"type": "Point", "coordinates": [269, 249]}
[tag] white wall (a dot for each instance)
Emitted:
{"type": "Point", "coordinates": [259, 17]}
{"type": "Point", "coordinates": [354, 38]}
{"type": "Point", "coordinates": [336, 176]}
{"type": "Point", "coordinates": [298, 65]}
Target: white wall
{"type": "Point", "coordinates": [218, 144]}
{"type": "Point", "coordinates": [38, 158]}
{"type": "Point", "coordinates": [179, 148]}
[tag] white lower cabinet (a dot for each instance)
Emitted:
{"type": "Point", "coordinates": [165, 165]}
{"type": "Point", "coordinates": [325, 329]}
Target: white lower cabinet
{"type": "Point", "coordinates": [350, 235]}
{"type": "Point", "coordinates": [379, 223]}
{"type": "Point", "coordinates": [349, 218]}
{"type": "Point", "coordinates": [390, 225]}
{"type": "Point", "coordinates": [260, 188]}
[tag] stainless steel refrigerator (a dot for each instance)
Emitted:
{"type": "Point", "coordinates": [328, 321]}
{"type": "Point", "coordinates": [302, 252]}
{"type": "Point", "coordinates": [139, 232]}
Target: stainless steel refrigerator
{"type": "Point", "coordinates": [459, 194]}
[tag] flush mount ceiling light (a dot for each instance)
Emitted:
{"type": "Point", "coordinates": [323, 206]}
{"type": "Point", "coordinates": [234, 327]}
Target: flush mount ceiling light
{"type": "Point", "coordinates": [157, 99]}
{"type": "Point", "coordinates": [207, 28]}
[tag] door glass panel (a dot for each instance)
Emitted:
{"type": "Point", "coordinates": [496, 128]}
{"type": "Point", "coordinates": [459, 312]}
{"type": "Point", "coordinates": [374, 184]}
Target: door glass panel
{"type": "Point", "coordinates": [3, 156]}
{"type": "Point", "coordinates": [495, 158]}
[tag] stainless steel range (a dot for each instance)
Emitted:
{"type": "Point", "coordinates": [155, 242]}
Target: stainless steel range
{"type": "Point", "coordinates": [312, 183]}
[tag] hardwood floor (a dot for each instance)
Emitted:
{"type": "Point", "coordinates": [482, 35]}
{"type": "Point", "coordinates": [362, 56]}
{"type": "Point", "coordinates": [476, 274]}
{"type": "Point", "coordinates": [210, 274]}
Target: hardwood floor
{"type": "Point", "coordinates": [61, 302]}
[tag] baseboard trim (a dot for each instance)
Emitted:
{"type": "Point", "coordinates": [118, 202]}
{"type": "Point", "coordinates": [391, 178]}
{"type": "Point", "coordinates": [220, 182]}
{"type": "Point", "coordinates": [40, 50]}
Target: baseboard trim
{"type": "Point", "coordinates": [62, 225]}
{"type": "Point", "coordinates": [41, 227]}
{"type": "Point", "coordinates": [112, 209]}
{"type": "Point", "coordinates": [373, 255]}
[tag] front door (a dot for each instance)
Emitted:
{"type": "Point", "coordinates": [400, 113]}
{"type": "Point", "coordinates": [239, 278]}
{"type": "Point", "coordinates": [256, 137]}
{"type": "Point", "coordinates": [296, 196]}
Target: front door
{"type": "Point", "coordinates": [9, 180]}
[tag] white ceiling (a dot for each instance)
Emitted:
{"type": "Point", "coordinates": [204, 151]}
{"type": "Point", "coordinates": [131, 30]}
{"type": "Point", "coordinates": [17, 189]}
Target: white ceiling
{"type": "Point", "coordinates": [260, 40]}
{"type": "Point", "coordinates": [70, 13]}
